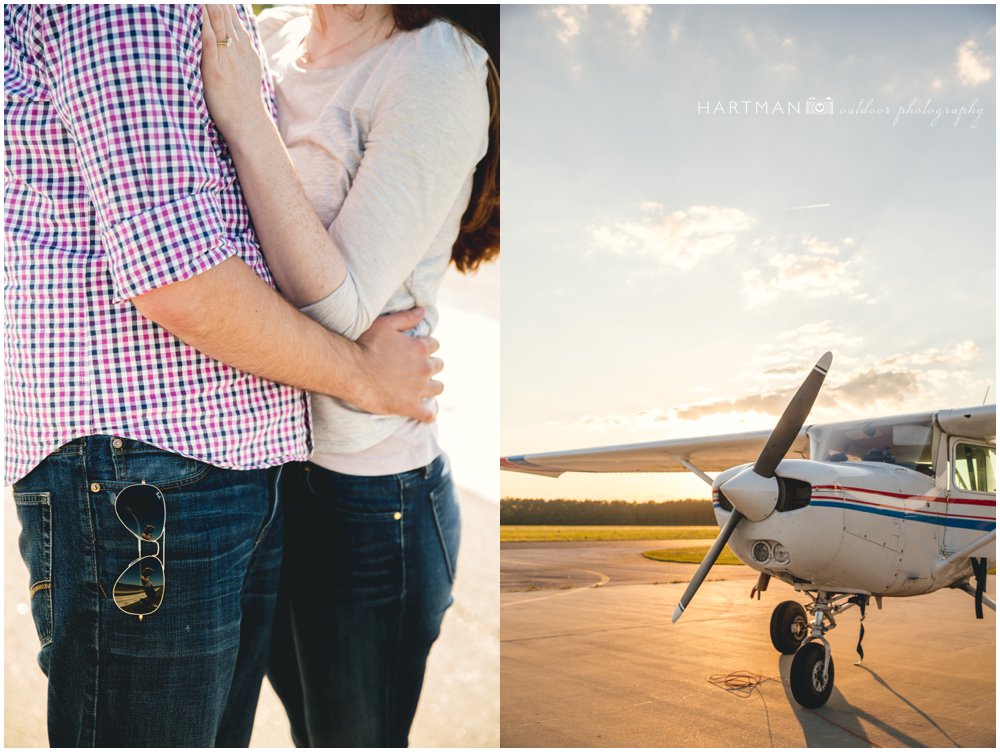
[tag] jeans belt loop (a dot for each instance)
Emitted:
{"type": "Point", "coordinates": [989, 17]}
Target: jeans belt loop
{"type": "Point", "coordinates": [118, 457]}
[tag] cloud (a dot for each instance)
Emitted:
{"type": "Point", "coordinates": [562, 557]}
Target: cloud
{"type": "Point", "coordinates": [816, 271]}
{"type": "Point", "coordinates": [784, 354]}
{"type": "Point", "coordinates": [963, 352]}
{"type": "Point", "coordinates": [876, 386]}
{"type": "Point", "coordinates": [570, 18]}
{"type": "Point", "coordinates": [639, 420]}
{"type": "Point", "coordinates": [874, 390]}
{"type": "Point", "coordinates": [635, 16]}
{"type": "Point", "coordinates": [748, 38]}
{"type": "Point", "coordinates": [974, 67]}
{"type": "Point", "coordinates": [771, 403]}
{"type": "Point", "coordinates": [858, 385]}
{"type": "Point", "coordinates": [679, 239]}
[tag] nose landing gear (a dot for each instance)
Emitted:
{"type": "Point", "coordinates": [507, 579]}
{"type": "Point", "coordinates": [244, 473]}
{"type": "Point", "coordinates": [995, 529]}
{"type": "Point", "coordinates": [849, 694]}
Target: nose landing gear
{"type": "Point", "coordinates": [811, 676]}
{"type": "Point", "coordinates": [789, 627]}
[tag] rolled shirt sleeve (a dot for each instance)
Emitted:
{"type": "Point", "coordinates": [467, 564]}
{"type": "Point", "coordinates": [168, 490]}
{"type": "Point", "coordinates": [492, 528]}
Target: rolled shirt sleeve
{"type": "Point", "coordinates": [126, 81]}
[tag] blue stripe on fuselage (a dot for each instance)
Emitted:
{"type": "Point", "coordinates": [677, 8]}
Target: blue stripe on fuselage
{"type": "Point", "coordinates": [915, 517]}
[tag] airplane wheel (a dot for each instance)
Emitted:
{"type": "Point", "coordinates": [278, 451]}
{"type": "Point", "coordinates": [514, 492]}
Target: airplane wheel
{"type": "Point", "coordinates": [789, 627]}
{"type": "Point", "coordinates": [808, 686]}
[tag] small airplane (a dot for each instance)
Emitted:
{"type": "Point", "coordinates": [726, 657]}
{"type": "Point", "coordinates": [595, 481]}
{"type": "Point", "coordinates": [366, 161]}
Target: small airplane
{"type": "Point", "coordinates": [884, 507]}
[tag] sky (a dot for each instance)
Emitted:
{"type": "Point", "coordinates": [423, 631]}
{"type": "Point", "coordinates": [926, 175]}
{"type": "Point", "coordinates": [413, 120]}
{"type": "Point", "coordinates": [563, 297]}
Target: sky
{"type": "Point", "coordinates": [698, 201]}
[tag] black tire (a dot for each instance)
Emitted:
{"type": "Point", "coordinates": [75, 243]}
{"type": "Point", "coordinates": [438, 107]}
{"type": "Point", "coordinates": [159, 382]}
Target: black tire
{"type": "Point", "coordinates": [789, 627]}
{"type": "Point", "coordinates": [808, 687]}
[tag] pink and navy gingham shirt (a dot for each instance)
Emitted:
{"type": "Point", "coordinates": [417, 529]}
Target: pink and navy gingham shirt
{"type": "Point", "coordinates": [118, 183]}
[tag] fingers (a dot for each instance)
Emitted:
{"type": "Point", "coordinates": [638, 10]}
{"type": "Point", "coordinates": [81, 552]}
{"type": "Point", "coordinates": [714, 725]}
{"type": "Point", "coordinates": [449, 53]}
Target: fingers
{"type": "Point", "coordinates": [217, 19]}
{"type": "Point", "coordinates": [240, 33]}
{"type": "Point", "coordinates": [403, 320]}
{"type": "Point", "coordinates": [229, 12]}
{"type": "Point", "coordinates": [426, 411]}
{"type": "Point", "coordinates": [431, 344]}
{"type": "Point", "coordinates": [207, 33]}
{"type": "Point", "coordinates": [437, 365]}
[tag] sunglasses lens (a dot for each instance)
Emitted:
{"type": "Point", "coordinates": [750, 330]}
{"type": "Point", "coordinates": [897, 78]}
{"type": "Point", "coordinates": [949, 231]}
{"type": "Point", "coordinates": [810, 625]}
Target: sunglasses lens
{"type": "Point", "coordinates": [140, 588]}
{"type": "Point", "coordinates": [141, 510]}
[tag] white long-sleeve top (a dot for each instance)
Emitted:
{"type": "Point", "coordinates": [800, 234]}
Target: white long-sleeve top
{"type": "Point", "coordinates": [386, 148]}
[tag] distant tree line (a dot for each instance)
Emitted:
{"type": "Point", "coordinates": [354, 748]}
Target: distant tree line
{"type": "Point", "coordinates": [590, 512]}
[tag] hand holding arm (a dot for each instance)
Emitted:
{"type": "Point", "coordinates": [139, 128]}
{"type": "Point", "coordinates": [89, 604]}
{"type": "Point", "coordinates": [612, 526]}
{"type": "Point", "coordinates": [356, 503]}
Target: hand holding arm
{"type": "Point", "coordinates": [306, 264]}
{"type": "Point", "coordinates": [169, 250]}
{"type": "Point", "coordinates": [230, 314]}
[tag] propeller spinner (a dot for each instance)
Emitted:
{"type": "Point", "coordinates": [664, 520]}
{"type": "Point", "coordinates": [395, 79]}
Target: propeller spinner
{"type": "Point", "coordinates": [754, 492]}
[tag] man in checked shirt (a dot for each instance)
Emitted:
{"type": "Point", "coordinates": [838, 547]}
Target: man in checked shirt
{"type": "Point", "coordinates": [146, 346]}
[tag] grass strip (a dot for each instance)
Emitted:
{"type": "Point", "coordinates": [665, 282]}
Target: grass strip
{"type": "Point", "coordinates": [692, 555]}
{"type": "Point", "coordinates": [555, 533]}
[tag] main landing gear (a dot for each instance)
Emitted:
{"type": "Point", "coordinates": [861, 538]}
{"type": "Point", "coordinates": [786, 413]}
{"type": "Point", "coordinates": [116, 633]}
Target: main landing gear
{"type": "Point", "coordinates": [802, 631]}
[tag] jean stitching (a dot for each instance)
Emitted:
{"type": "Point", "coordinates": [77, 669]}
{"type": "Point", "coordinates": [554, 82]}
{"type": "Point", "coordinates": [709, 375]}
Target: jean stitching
{"type": "Point", "coordinates": [32, 497]}
{"type": "Point", "coordinates": [402, 538]}
{"type": "Point", "coordinates": [44, 585]}
{"type": "Point", "coordinates": [441, 537]}
{"type": "Point", "coordinates": [118, 460]}
{"type": "Point", "coordinates": [187, 480]}
{"type": "Point", "coordinates": [274, 510]}
{"type": "Point", "coordinates": [390, 715]}
{"type": "Point", "coordinates": [92, 538]}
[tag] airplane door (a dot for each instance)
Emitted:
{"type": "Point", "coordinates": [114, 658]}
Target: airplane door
{"type": "Point", "coordinates": [971, 493]}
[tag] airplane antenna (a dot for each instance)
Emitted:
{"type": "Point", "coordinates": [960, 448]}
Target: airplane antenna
{"type": "Point", "coordinates": [987, 393]}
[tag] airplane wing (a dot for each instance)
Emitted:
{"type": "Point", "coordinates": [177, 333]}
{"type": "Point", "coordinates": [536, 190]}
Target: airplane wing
{"type": "Point", "coordinates": [706, 453]}
{"type": "Point", "coordinates": [718, 453]}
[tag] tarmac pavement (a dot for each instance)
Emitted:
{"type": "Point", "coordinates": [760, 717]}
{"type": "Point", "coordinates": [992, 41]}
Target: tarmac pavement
{"type": "Point", "coordinates": [598, 662]}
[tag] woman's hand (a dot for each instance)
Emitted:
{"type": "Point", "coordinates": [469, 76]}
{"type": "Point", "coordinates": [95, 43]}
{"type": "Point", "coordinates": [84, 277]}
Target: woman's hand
{"type": "Point", "coordinates": [232, 74]}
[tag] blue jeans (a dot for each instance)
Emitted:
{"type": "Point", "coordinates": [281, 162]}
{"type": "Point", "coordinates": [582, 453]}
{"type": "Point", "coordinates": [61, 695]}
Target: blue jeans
{"type": "Point", "coordinates": [367, 576]}
{"type": "Point", "coordinates": [188, 674]}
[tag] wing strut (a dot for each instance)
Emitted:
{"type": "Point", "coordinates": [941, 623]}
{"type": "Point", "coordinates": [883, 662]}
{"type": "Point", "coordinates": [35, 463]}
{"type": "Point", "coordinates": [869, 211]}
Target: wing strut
{"type": "Point", "coordinates": [686, 464]}
{"type": "Point", "coordinates": [957, 558]}
{"type": "Point", "coordinates": [965, 587]}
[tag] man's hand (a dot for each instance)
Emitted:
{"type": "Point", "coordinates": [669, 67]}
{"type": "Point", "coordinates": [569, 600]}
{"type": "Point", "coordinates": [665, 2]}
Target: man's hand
{"type": "Point", "coordinates": [233, 316]}
{"type": "Point", "coordinates": [399, 368]}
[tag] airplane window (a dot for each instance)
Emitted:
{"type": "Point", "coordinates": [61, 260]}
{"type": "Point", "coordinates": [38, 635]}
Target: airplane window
{"type": "Point", "coordinates": [908, 445]}
{"type": "Point", "coordinates": [974, 468]}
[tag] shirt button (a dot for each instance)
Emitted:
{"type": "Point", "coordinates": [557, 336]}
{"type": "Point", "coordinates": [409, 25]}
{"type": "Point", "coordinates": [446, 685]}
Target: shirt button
{"type": "Point", "coordinates": [397, 516]}
{"type": "Point", "coordinates": [117, 443]}
{"type": "Point", "coordinates": [95, 487]}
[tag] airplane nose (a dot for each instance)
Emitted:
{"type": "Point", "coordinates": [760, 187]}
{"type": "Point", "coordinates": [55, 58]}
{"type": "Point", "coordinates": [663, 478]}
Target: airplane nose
{"type": "Point", "coordinates": [755, 497]}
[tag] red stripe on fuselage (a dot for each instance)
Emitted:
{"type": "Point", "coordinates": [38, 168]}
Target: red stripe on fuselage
{"type": "Point", "coordinates": [946, 514]}
{"type": "Point", "coordinates": [937, 499]}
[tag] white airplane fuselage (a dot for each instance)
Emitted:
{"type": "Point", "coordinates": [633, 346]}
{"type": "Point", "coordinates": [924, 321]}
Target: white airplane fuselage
{"type": "Point", "coordinates": [864, 527]}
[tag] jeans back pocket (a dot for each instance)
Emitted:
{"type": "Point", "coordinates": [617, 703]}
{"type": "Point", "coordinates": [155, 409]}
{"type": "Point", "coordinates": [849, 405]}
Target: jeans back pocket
{"type": "Point", "coordinates": [35, 513]}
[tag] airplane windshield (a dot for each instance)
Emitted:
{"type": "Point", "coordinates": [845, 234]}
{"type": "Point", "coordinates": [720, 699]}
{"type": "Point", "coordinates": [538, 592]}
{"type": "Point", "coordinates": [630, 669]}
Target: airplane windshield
{"type": "Point", "coordinates": [906, 444]}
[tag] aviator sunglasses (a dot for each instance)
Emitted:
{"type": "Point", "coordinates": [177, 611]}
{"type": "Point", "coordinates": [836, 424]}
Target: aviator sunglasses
{"type": "Point", "coordinates": [139, 589]}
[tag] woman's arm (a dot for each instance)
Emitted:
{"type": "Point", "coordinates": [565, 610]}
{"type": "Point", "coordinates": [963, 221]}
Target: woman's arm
{"type": "Point", "coordinates": [428, 132]}
{"type": "Point", "coordinates": [305, 263]}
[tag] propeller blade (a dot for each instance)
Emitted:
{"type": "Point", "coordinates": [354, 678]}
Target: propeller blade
{"type": "Point", "coordinates": [706, 563]}
{"type": "Point", "coordinates": [792, 420]}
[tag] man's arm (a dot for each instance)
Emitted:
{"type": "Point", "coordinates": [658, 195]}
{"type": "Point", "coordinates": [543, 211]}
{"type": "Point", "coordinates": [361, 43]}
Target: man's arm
{"type": "Point", "coordinates": [233, 316]}
{"type": "Point", "coordinates": [126, 82]}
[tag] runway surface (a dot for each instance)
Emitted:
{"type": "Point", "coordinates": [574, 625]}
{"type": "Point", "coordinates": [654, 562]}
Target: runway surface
{"type": "Point", "coordinates": [588, 657]}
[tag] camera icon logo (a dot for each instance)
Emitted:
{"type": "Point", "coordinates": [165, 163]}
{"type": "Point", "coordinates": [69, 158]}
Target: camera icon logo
{"type": "Point", "coordinates": [816, 106]}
